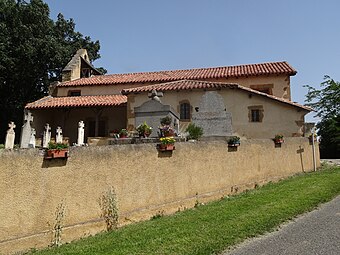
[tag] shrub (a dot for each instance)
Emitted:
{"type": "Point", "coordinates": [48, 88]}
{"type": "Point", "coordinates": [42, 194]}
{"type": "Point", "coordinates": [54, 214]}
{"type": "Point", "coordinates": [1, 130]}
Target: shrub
{"type": "Point", "coordinates": [166, 121]}
{"type": "Point", "coordinates": [144, 128]}
{"type": "Point", "coordinates": [195, 132]}
{"type": "Point", "coordinates": [57, 146]}
{"type": "Point", "coordinates": [234, 140]}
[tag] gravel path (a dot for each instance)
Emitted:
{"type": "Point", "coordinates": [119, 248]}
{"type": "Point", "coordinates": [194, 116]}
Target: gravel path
{"type": "Point", "coordinates": [317, 232]}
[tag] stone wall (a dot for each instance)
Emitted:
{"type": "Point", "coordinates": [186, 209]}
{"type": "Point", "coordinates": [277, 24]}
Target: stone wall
{"type": "Point", "coordinates": [146, 182]}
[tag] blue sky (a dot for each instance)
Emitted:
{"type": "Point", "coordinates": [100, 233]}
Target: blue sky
{"type": "Point", "coordinates": [154, 35]}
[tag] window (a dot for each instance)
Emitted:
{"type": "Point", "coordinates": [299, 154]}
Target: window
{"type": "Point", "coordinates": [255, 113]}
{"type": "Point", "coordinates": [74, 93]}
{"type": "Point", "coordinates": [185, 111]}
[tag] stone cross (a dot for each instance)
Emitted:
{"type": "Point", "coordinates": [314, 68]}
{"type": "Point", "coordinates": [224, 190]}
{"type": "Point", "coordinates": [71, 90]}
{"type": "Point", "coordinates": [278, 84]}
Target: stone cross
{"type": "Point", "coordinates": [9, 144]}
{"type": "Point", "coordinates": [154, 95]}
{"type": "Point", "coordinates": [26, 130]}
{"type": "Point", "coordinates": [81, 126]}
{"type": "Point", "coordinates": [59, 135]}
{"type": "Point", "coordinates": [47, 136]}
{"type": "Point", "coordinates": [32, 139]}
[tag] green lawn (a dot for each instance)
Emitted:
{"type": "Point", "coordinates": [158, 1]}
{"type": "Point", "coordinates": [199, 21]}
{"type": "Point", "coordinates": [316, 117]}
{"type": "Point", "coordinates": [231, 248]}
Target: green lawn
{"type": "Point", "coordinates": [211, 228]}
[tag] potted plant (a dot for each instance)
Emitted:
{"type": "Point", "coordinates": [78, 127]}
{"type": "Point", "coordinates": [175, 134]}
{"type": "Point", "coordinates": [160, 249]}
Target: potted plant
{"type": "Point", "coordinates": [167, 144]}
{"type": "Point", "coordinates": [114, 133]}
{"type": "Point", "coordinates": [234, 141]}
{"type": "Point", "coordinates": [123, 133]}
{"type": "Point", "coordinates": [166, 121]}
{"type": "Point", "coordinates": [166, 131]}
{"type": "Point", "coordinates": [144, 130]}
{"type": "Point", "coordinates": [57, 150]}
{"type": "Point", "coordinates": [278, 139]}
{"type": "Point", "coordinates": [195, 132]}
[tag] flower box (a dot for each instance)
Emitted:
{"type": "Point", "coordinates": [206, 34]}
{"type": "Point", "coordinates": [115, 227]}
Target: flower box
{"type": "Point", "coordinates": [234, 141]}
{"type": "Point", "coordinates": [56, 153]}
{"type": "Point", "coordinates": [278, 141]}
{"type": "Point", "coordinates": [234, 144]}
{"type": "Point", "coordinates": [166, 147]}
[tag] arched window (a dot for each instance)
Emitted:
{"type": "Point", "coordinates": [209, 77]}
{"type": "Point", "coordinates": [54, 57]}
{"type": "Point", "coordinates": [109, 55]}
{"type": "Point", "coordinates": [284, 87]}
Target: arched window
{"type": "Point", "coordinates": [185, 109]}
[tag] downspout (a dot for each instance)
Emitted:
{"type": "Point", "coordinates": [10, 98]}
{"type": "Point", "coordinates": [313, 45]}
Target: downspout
{"type": "Point", "coordinates": [313, 145]}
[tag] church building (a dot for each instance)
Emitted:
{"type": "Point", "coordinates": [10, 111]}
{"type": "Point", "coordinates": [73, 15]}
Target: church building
{"type": "Point", "coordinates": [256, 96]}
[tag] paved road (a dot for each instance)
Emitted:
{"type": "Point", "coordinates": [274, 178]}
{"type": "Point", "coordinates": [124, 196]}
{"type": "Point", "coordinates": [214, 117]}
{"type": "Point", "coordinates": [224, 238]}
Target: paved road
{"type": "Point", "coordinates": [331, 161]}
{"type": "Point", "coordinates": [317, 232]}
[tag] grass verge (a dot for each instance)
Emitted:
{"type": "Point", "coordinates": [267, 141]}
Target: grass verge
{"type": "Point", "coordinates": [211, 228]}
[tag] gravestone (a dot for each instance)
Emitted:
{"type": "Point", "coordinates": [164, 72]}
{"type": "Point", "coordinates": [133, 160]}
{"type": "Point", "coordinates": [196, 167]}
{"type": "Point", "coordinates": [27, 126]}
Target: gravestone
{"type": "Point", "coordinates": [46, 136]}
{"type": "Point", "coordinates": [9, 143]}
{"type": "Point", "coordinates": [32, 139]}
{"type": "Point", "coordinates": [81, 126]}
{"type": "Point", "coordinates": [152, 111]}
{"type": "Point", "coordinates": [26, 130]}
{"type": "Point", "coordinates": [59, 135]}
{"type": "Point", "coordinates": [212, 115]}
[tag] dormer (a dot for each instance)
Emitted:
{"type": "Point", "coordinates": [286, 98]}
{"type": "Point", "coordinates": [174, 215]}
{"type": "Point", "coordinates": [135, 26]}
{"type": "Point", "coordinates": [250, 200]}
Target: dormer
{"type": "Point", "coordinates": [79, 67]}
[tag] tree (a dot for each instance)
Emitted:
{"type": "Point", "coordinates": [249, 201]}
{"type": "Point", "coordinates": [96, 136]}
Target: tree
{"type": "Point", "coordinates": [326, 102]}
{"type": "Point", "coordinates": [33, 51]}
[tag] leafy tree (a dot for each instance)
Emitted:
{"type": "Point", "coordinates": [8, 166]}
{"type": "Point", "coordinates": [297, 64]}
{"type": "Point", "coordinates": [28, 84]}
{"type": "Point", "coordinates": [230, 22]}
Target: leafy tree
{"type": "Point", "coordinates": [33, 51]}
{"type": "Point", "coordinates": [329, 130]}
{"type": "Point", "coordinates": [326, 102]}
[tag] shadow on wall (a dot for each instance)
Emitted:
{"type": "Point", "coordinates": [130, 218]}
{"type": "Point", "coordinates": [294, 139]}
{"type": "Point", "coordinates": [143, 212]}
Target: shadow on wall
{"type": "Point", "coordinates": [54, 162]}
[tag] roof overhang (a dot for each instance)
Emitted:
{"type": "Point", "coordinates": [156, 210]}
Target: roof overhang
{"type": "Point", "coordinates": [50, 102]}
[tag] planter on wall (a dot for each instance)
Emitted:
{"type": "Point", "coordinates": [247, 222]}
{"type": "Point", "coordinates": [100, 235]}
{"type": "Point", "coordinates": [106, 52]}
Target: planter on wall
{"type": "Point", "coordinates": [56, 153]}
{"type": "Point", "coordinates": [234, 144]}
{"type": "Point", "coordinates": [166, 147]}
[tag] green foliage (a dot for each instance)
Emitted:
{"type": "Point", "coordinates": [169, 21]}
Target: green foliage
{"type": "Point", "coordinates": [278, 137]}
{"type": "Point", "coordinates": [195, 132]}
{"type": "Point", "coordinates": [123, 132]}
{"type": "Point", "coordinates": [59, 224]}
{"type": "Point", "coordinates": [234, 140]}
{"type": "Point", "coordinates": [166, 121]}
{"type": "Point", "coordinates": [327, 103]}
{"type": "Point", "coordinates": [2, 146]}
{"type": "Point", "coordinates": [329, 130]}
{"type": "Point", "coordinates": [33, 51]}
{"type": "Point", "coordinates": [143, 129]}
{"type": "Point", "coordinates": [109, 207]}
{"type": "Point", "coordinates": [211, 228]}
{"type": "Point", "coordinates": [57, 146]}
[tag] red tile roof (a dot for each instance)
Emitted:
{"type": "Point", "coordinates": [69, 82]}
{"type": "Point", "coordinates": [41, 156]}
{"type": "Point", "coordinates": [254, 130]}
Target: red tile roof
{"type": "Point", "coordinates": [191, 85]}
{"type": "Point", "coordinates": [77, 101]}
{"type": "Point", "coordinates": [273, 68]}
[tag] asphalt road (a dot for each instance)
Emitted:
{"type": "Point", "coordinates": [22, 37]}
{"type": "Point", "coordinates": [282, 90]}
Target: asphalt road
{"type": "Point", "coordinates": [317, 232]}
{"type": "Point", "coordinates": [331, 161]}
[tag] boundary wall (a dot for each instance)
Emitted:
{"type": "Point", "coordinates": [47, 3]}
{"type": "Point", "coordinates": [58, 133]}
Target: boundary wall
{"type": "Point", "coordinates": [147, 182]}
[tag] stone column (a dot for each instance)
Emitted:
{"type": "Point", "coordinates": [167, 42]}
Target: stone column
{"type": "Point", "coordinates": [9, 144]}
